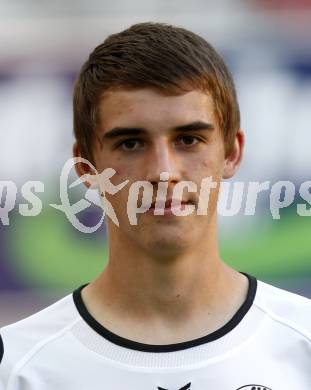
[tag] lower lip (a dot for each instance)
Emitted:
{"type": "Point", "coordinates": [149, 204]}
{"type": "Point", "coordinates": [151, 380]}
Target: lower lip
{"type": "Point", "coordinates": [167, 210]}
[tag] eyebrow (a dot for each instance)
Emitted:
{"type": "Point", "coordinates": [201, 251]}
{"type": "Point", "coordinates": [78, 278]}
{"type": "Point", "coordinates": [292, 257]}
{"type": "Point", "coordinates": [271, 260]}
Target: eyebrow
{"type": "Point", "coordinates": [121, 131]}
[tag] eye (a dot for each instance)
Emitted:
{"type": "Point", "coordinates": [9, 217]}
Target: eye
{"type": "Point", "coordinates": [131, 144]}
{"type": "Point", "coordinates": [187, 140]}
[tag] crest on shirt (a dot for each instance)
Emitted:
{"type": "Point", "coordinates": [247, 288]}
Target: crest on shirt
{"type": "Point", "coordinates": [186, 387]}
{"type": "Point", "coordinates": [246, 387]}
{"type": "Point", "coordinates": [254, 387]}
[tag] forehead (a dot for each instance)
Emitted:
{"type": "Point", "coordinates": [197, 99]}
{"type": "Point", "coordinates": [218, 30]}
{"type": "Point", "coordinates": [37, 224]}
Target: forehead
{"type": "Point", "coordinates": [150, 107]}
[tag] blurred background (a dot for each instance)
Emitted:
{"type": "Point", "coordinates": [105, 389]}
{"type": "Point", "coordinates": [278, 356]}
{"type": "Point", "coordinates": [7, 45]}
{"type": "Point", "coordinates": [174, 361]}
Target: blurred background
{"type": "Point", "coordinates": [267, 45]}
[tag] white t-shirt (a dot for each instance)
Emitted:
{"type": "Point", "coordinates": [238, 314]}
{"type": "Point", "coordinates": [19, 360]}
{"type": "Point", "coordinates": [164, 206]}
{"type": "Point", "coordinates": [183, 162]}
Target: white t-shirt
{"type": "Point", "coordinates": [266, 345]}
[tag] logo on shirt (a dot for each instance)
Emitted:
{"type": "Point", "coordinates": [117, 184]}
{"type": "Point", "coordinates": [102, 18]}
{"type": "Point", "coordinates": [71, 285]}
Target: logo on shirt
{"type": "Point", "coordinates": [254, 387]}
{"type": "Point", "coordinates": [246, 387]}
{"type": "Point", "coordinates": [186, 387]}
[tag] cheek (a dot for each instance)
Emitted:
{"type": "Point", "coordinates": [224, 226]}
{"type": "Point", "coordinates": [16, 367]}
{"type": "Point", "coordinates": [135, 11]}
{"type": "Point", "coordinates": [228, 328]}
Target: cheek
{"type": "Point", "coordinates": [207, 167]}
{"type": "Point", "coordinates": [124, 169]}
{"type": "Point", "coordinates": [121, 173]}
{"type": "Point", "coordinates": [206, 164]}
{"type": "Point", "coordinates": [212, 166]}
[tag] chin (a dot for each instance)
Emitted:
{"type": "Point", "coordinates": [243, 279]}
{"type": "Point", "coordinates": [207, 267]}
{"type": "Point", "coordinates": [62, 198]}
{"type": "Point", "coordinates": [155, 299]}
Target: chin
{"type": "Point", "coordinates": [166, 244]}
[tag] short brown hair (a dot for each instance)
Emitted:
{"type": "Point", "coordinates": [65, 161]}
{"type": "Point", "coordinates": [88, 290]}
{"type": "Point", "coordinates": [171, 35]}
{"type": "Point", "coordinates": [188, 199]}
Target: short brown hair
{"type": "Point", "coordinates": [170, 59]}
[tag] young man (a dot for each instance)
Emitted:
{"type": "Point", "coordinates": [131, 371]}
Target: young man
{"type": "Point", "coordinates": [156, 104]}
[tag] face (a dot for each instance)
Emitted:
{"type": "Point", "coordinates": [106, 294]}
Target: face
{"type": "Point", "coordinates": [144, 133]}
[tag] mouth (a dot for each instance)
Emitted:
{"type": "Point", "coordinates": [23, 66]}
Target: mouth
{"type": "Point", "coordinates": [170, 203]}
{"type": "Point", "coordinates": [168, 207]}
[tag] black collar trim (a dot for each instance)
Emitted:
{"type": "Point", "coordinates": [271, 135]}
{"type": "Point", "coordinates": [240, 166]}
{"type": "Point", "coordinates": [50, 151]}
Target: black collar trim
{"type": "Point", "coordinates": [123, 342]}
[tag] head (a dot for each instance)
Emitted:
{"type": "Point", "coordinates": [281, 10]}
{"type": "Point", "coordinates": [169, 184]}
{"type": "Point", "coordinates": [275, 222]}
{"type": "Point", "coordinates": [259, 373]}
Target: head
{"type": "Point", "coordinates": [169, 59]}
{"type": "Point", "coordinates": [157, 77]}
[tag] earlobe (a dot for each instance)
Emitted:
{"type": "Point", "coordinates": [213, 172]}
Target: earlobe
{"type": "Point", "coordinates": [229, 170]}
{"type": "Point", "coordinates": [233, 161]}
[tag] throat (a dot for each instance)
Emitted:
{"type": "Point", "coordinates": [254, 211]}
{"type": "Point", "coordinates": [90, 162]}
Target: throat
{"type": "Point", "coordinates": [175, 314]}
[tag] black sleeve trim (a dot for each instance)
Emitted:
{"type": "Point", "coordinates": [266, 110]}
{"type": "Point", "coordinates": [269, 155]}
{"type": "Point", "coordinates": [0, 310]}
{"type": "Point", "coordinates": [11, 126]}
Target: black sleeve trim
{"type": "Point", "coordinates": [1, 349]}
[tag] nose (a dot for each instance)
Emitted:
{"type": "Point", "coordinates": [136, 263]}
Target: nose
{"type": "Point", "coordinates": [162, 158]}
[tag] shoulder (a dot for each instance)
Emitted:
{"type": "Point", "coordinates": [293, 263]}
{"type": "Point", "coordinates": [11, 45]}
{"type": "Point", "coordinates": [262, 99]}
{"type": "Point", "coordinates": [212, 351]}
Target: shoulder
{"type": "Point", "coordinates": [21, 339]}
{"type": "Point", "coordinates": [286, 308]}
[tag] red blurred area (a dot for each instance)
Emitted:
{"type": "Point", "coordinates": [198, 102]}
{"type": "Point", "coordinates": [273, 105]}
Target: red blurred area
{"type": "Point", "coordinates": [283, 4]}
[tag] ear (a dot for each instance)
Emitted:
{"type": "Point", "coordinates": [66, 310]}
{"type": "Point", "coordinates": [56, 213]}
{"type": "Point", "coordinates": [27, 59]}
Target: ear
{"type": "Point", "coordinates": [80, 167]}
{"type": "Point", "coordinates": [233, 160]}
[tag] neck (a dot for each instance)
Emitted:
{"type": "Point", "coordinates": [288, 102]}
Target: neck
{"type": "Point", "coordinates": [140, 286]}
